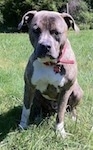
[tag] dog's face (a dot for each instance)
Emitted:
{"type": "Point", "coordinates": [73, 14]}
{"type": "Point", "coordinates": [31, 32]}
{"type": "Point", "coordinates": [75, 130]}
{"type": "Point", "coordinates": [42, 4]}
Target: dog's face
{"type": "Point", "coordinates": [48, 32]}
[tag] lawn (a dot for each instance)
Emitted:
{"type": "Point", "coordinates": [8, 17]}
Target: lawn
{"type": "Point", "coordinates": [15, 50]}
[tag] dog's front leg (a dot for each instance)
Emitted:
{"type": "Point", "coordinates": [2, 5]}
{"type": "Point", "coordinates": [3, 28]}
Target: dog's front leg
{"type": "Point", "coordinates": [63, 99]}
{"type": "Point", "coordinates": [28, 100]}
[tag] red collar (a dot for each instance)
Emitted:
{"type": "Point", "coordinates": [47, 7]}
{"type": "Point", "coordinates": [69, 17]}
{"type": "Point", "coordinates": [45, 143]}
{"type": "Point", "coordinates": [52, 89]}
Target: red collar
{"type": "Point", "coordinates": [60, 62]}
{"type": "Point", "coordinates": [64, 61]}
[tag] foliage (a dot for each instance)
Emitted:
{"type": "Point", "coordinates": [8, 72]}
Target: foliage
{"type": "Point", "coordinates": [90, 3]}
{"type": "Point", "coordinates": [1, 18]}
{"type": "Point", "coordinates": [1, 14]}
{"type": "Point", "coordinates": [79, 10]}
{"type": "Point", "coordinates": [11, 11]}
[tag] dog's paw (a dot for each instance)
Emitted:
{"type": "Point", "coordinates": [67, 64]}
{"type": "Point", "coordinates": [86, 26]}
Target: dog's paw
{"type": "Point", "coordinates": [74, 118]}
{"type": "Point", "coordinates": [63, 133]}
{"type": "Point", "coordinates": [22, 126]}
{"type": "Point", "coordinates": [60, 131]}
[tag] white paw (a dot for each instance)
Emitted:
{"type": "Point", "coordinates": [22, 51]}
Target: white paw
{"type": "Point", "coordinates": [60, 130]}
{"type": "Point", "coordinates": [22, 126]}
{"type": "Point", "coordinates": [74, 118]}
{"type": "Point", "coordinates": [24, 118]}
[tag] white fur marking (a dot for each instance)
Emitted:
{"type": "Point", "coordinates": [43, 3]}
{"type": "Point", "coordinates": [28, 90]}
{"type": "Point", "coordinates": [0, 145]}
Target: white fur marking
{"type": "Point", "coordinates": [60, 129]}
{"type": "Point", "coordinates": [74, 118]}
{"type": "Point", "coordinates": [47, 97]}
{"type": "Point", "coordinates": [62, 82]}
{"type": "Point", "coordinates": [44, 75]}
{"type": "Point", "coordinates": [24, 118]}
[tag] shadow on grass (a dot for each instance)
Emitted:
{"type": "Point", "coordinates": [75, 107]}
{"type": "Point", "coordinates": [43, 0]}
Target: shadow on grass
{"type": "Point", "coordinates": [41, 109]}
{"type": "Point", "coordinates": [9, 121]}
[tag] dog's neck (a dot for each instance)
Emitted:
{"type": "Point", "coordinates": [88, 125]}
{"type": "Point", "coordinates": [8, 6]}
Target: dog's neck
{"type": "Point", "coordinates": [60, 61]}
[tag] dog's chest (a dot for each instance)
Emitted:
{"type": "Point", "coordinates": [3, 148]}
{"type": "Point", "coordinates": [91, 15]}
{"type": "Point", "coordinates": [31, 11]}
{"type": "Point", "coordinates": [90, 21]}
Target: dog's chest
{"type": "Point", "coordinates": [44, 76]}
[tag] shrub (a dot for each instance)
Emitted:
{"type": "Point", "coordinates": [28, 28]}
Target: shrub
{"type": "Point", "coordinates": [1, 18]}
{"type": "Point", "coordinates": [11, 11]}
{"type": "Point", "coordinates": [79, 10]}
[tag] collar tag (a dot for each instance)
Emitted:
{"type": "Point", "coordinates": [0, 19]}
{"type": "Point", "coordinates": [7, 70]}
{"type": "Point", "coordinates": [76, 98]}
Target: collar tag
{"type": "Point", "coordinates": [57, 68]}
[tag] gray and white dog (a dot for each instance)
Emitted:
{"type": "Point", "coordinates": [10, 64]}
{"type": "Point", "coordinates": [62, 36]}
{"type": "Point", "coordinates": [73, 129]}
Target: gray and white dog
{"type": "Point", "coordinates": [52, 68]}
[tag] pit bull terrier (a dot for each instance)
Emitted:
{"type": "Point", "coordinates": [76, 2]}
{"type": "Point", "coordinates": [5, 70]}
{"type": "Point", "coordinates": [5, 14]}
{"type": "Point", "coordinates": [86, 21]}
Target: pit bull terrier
{"type": "Point", "coordinates": [52, 67]}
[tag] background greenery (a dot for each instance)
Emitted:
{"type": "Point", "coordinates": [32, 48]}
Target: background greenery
{"type": "Point", "coordinates": [14, 53]}
{"type": "Point", "coordinates": [11, 11]}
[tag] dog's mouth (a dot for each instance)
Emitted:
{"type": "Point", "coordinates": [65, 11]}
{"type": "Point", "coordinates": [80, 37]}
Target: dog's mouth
{"type": "Point", "coordinates": [45, 53]}
{"type": "Point", "coordinates": [47, 59]}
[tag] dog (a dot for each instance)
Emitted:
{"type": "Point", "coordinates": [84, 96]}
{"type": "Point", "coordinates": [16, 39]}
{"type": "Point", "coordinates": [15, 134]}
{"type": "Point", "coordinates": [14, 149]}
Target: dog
{"type": "Point", "coordinates": [52, 67]}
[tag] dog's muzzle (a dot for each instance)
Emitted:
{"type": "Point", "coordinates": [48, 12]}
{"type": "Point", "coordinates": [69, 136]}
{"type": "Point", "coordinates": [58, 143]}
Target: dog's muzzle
{"type": "Point", "coordinates": [42, 50]}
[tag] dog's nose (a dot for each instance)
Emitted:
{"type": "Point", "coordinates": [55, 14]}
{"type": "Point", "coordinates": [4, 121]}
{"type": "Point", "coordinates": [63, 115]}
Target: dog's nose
{"type": "Point", "coordinates": [42, 50]}
{"type": "Point", "coordinates": [46, 47]}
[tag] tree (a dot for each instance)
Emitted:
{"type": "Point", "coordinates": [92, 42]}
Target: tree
{"type": "Point", "coordinates": [11, 11]}
{"type": "Point", "coordinates": [78, 9]}
{"type": "Point", "coordinates": [90, 4]}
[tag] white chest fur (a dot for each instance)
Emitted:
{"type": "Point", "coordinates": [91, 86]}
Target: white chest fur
{"type": "Point", "coordinates": [44, 75]}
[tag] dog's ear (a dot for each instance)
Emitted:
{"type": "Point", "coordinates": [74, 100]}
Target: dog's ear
{"type": "Point", "coordinates": [26, 19]}
{"type": "Point", "coordinates": [70, 21]}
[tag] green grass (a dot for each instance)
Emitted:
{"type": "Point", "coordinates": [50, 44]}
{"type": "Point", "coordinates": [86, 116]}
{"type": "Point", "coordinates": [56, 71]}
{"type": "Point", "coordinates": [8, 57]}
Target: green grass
{"type": "Point", "coordinates": [14, 53]}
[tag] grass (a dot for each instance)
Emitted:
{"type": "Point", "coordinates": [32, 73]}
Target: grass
{"type": "Point", "coordinates": [14, 53]}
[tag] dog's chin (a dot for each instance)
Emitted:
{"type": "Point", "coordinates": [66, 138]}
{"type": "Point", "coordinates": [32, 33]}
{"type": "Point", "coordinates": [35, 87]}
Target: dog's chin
{"type": "Point", "coordinates": [47, 59]}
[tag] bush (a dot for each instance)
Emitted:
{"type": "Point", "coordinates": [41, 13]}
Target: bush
{"type": "Point", "coordinates": [1, 18]}
{"type": "Point", "coordinates": [84, 26]}
{"type": "Point", "coordinates": [11, 11]}
{"type": "Point", "coordinates": [1, 14]}
{"type": "Point", "coordinates": [78, 9]}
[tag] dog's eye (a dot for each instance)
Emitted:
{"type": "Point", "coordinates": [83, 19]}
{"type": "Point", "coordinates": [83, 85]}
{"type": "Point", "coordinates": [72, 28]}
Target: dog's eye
{"type": "Point", "coordinates": [36, 30]}
{"type": "Point", "coordinates": [55, 32]}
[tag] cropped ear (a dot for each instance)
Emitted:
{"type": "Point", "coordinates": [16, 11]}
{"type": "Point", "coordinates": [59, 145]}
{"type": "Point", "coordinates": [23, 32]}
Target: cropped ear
{"type": "Point", "coordinates": [26, 19]}
{"type": "Point", "coordinates": [70, 21]}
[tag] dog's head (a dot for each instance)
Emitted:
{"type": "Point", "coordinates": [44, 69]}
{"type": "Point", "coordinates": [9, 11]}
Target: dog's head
{"type": "Point", "coordinates": [48, 31]}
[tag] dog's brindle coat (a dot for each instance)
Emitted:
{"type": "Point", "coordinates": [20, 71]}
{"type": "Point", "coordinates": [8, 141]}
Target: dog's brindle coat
{"type": "Point", "coordinates": [52, 50]}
